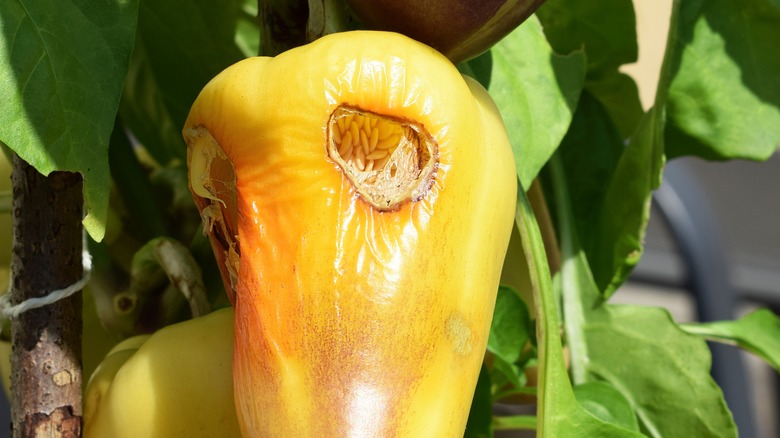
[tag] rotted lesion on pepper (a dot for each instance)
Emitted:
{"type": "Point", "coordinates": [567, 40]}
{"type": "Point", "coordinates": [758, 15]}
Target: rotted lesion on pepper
{"type": "Point", "coordinates": [213, 183]}
{"type": "Point", "coordinates": [389, 161]}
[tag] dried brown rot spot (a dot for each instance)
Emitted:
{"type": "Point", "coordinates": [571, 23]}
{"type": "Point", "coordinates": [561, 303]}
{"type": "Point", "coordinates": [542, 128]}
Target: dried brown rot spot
{"type": "Point", "coordinates": [388, 160]}
{"type": "Point", "coordinates": [213, 182]}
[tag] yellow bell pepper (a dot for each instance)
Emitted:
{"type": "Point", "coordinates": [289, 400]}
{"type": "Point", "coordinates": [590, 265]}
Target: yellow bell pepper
{"type": "Point", "coordinates": [174, 383]}
{"type": "Point", "coordinates": [359, 194]}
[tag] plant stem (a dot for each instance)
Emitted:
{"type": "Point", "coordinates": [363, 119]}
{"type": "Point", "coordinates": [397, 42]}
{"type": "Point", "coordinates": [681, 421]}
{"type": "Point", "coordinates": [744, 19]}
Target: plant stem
{"type": "Point", "coordinates": [327, 17]}
{"type": "Point", "coordinates": [517, 422]}
{"type": "Point", "coordinates": [546, 227]}
{"type": "Point", "coordinates": [572, 295]}
{"type": "Point", "coordinates": [47, 255]}
{"type": "Point", "coordinates": [282, 25]}
{"type": "Point", "coordinates": [552, 368]}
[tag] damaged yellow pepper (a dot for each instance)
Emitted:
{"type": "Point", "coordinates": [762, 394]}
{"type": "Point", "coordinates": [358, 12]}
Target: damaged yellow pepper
{"type": "Point", "coordinates": [359, 194]}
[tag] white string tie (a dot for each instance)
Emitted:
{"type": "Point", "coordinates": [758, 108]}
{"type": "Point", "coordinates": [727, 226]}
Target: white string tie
{"type": "Point", "coordinates": [9, 311]}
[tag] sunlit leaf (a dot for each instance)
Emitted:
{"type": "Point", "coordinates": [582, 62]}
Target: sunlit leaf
{"type": "Point", "coordinates": [62, 66]}
{"type": "Point", "coordinates": [606, 32]}
{"type": "Point", "coordinates": [510, 328]}
{"type": "Point", "coordinates": [757, 332]}
{"type": "Point", "coordinates": [607, 403]}
{"type": "Point", "coordinates": [611, 185]}
{"type": "Point", "coordinates": [536, 91]}
{"type": "Point", "coordinates": [589, 155]}
{"type": "Point", "coordinates": [620, 96]}
{"type": "Point", "coordinates": [662, 371]}
{"type": "Point", "coordinates": [724, 98]}
{"type": "Point", "coordinates": [626, 207]}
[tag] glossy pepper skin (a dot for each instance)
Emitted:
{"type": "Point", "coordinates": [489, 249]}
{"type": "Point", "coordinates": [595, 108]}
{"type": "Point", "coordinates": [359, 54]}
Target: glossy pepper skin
{"type": "Point", "coordinates": [363, 297]}
{"type": "Point", "coordinates": [175, 383]}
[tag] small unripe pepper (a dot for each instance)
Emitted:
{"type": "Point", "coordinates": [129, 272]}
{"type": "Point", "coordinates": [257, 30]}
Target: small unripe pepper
{"type": "Point", "coordinates": [359, 194]}
{"type": "Point", "coordinates": [175, 383]}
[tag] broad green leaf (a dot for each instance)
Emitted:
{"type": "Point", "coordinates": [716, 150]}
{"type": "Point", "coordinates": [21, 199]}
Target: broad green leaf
{"type": "Point", "coordinates": [589, 153]}
{"type": "Point", "coordinates": [62, 66]}
{"type": "Point", "coordinates": [606, 32]}
{"type": "Point", "coordinates": [607, 403]}
{"type": "Point", "coordinates": [480, 422]}
{"type": "Point", "coordinates": [620, 96]}
{"type": "Point", "coordinates": [536, 91]}
{"type": "Point", "coordinates": [757, 332]}
{"type": "Point", "coordinates": [660, 369]}
{"type": "Point", "coordinates": [615, 233]}
{"type": "Point", "coordinates": [558, 412]}
{"type": "Point", "coordinates": [181, 45]}
{"type": "Point", "coordinates": [610, 185]}
{"type": "Point", "coordinates": [625, 210]}
{"type": "Point", "coordinates": [510, 327]}
{"type": "Point", "coordinates": [509, 335]}
{"type": "Point", "coordinates": [724, 98]}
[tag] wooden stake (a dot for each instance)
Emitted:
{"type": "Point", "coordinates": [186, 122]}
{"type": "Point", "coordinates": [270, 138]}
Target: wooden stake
{"type": "Point", "coordinates": [47, 255]}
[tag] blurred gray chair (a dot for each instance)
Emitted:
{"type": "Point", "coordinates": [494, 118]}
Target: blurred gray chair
{"type": "Point", "coordinates": [690, 218]}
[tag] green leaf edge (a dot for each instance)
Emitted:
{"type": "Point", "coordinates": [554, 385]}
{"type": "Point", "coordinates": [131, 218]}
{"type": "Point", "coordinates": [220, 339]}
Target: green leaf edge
{"type": "Point", "coordinates": [558, 411]}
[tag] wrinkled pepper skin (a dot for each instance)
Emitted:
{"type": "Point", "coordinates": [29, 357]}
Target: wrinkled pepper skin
{"type": "Point", "coordinates": [176, 383]}
{"type": "Point", "coordinates": [460, 29]}
{"type": "Point", "coordinates": [358, 311]}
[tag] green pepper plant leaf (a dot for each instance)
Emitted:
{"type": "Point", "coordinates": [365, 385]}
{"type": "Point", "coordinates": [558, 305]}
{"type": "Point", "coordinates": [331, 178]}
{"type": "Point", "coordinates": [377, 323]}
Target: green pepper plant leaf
{"type": "Point", "coordinates": [615, 179]}
{"type": "Point", "coordinates": [536, 91]}
{"type": "Point", "coordinates": [606, 32]}
{"type": "Point", "coordinates": [757, 332]}
{"type": "Point", "coordinates": [510, 329]}
{"type": "Point", "coordinates": [612, 185]}
{"type": "Point", "coordinates": [604, 401]}
{"type": "Point", "coordinates": [724, 97]}
{"type": "Point", "coordinates": [509, 334]}
{"type": "Point", "coordinates": [63, 64]}
{"type": "Point", "coordinates": [662, 371]}
{"type": "Point", "coordinates": [558, 412]}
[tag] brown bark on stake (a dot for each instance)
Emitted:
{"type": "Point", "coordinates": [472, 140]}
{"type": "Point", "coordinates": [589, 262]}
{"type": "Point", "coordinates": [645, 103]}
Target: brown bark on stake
{"type": "Point", "coordinates": [47, 255]}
